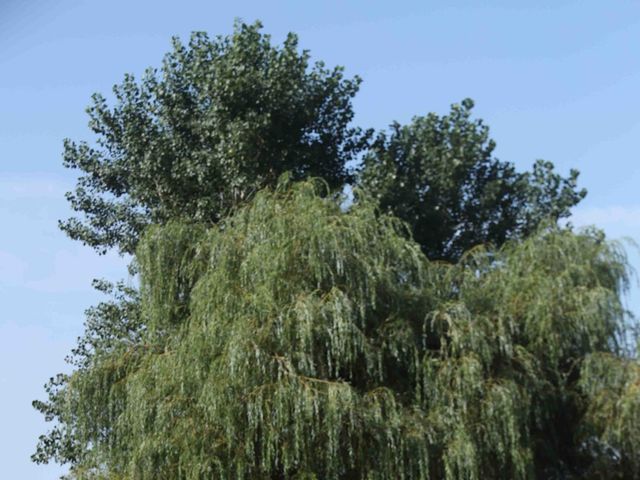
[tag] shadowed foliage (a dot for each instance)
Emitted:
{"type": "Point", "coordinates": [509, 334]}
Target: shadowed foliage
{"type": "Point", "coordinates": [222, 118]}
{"type": "Point", "coordinates": [439, 175]}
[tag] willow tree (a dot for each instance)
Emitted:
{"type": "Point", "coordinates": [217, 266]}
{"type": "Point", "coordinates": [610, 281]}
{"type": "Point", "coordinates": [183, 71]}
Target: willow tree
{"type": "Point", "coordinates": [269, 329]}
{"type": "Point", "coordinates": [299, 340]}
{"type": "Point", "coordinates": [221, 118]}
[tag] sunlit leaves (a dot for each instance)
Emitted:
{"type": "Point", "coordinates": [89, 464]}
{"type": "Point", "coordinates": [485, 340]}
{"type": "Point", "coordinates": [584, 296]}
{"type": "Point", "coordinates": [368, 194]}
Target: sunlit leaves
{"type": "Point", "coordinates": [297, 340]}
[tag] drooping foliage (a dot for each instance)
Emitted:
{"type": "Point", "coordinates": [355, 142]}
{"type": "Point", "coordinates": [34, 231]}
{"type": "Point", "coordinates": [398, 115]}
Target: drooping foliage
{"type": "Point", "coordinates": [110, 326]}
{"type": "Point", "coordinates": [282, 337]}
{"type": "Point", "coordinates": [439, 175]}
{"type": "Point", "coordinates": [222, 118]}
{"type": "Point", "coordinates": [298, 340]}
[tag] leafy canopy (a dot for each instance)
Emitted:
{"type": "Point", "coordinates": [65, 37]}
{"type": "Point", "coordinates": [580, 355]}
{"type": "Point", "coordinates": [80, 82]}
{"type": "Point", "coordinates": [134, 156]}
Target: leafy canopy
{"type": "Point", "coordinates": [222, 118]}
{"type": "Point", "coordinates": [277, 336]}
{"type": "Point", "coordinates": [227, 116]}
{"type": "Point", "coordinates": [439, 175]}
{"type": "Point", "coordinates": [296, 340]}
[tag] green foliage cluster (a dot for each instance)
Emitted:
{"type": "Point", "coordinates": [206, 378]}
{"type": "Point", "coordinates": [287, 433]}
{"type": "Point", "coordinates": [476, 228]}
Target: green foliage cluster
{"type": "Point", "coordinates": [439, 175]}
{"type": "Point", "coordinates": [223, 118]}
{"type": "Point", "coordinates": [297, 340]}
{"type": "Point", "coordinates": [442, 326]}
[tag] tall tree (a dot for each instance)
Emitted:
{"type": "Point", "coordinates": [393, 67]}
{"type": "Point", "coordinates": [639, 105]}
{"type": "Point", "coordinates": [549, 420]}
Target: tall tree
{"type": "Point", "coordinates": [439, 175]}
{"type": "Point", "coordinates": [222, 118]}
{"type": "Point", "coordinates": [354, 331]}
{"type": "Point", "coordinates": [297, 340]}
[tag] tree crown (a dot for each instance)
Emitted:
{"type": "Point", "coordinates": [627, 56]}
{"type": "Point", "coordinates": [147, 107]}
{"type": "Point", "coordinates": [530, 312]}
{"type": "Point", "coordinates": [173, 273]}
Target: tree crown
{"type": "Point", "coordinates": [439, 175]}
{"type": "Point", "coordinates": [222, 118]}
{"type": "Point", "coordinates": [296, 340]}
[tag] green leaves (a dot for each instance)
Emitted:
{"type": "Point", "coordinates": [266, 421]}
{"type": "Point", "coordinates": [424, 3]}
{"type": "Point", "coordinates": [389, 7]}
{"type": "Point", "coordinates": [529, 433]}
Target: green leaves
{"type": "Point", "coordinates": [439, 175]}
{"type": "Point", "coordinates": [222, 118]}
{"type": "Point", "coordinates": [298, 340]}
{"type": "Point", "coordinates": [279, 334]}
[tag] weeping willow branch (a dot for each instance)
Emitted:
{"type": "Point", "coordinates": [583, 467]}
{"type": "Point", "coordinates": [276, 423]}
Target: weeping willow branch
{"type": "Point", "coordinates": [310, 342]}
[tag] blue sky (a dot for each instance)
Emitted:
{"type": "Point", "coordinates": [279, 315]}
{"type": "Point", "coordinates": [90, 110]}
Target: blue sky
{"type": "Point", "coordinates": [554, 79]}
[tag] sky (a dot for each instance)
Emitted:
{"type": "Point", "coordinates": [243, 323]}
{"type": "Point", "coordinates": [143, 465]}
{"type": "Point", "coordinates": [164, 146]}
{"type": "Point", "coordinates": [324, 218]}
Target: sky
{"type": "Point", "coordinates": [556, 80]}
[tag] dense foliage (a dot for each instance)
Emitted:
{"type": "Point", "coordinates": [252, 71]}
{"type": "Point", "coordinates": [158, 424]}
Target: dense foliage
{"type": "Point", "coordinates": [223, 118]}
{"type": "Point", "coordinates": [439, 175]}
{"type": "Point", "coordinates": [227, 116]}
{"type": "Point", "coordinates": [296, 340]}
{"type": "Point", "coordinates": [276, 335]}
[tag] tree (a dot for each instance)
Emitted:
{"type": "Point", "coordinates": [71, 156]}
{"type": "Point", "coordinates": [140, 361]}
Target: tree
{"type": "Point", "coordinates": [223, 118]}
{"type": "Point", "coordinates": [226, 117]}
{"type": "Point", "coordinates": [439, 175]}
{"type": "Point", "coordinates": [182, 156]}
{"type": "Point", "coordinates": [297, 340]}
{"type": "Point", "coordinates": [110, 326]}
